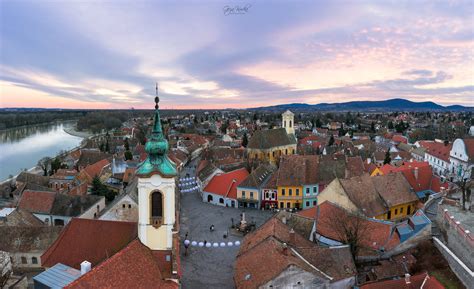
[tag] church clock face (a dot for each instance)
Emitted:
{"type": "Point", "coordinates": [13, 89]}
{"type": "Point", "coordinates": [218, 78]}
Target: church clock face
{"type": "Point", "coordinates": [155, 181]}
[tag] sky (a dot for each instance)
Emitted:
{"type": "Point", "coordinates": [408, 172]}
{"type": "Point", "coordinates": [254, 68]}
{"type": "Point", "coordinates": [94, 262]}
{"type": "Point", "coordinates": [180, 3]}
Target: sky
{"type": "Point", "coordinates": [233, 54]}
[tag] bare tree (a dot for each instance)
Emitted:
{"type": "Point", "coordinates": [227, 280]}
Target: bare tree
{"type": "Point", "coordinates": [44, 165]}
{"type": "Point", "coordinates": [350, 229]}
{"type": "Point", "coordinates": [5, 268]}
{"type": "Point", "coordinates": [465, 185]}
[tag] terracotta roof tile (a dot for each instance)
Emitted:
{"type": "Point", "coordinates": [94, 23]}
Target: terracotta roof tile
{"type": "Point", "coordinates": [37, 201]}
{"type": "Point", "coordinates": [91, 240]}
{"type": "Point", "coordinates": [226, 184]}
{"type": "Point", "coordinates": [379, 234]}
{"type": "Point", "coordinates": [135, 266]}
{"type": "Point", "coordinates": [265, 139]}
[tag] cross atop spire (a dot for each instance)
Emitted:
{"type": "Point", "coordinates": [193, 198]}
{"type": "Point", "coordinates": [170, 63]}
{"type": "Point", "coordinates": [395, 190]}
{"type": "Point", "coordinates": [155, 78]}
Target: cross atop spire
{"type": "Point", "coordinates": [157, 99]}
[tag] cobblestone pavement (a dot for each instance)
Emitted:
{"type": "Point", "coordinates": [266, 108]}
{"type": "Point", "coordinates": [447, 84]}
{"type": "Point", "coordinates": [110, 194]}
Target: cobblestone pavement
{"type": "Point", "coordinates": [210, 267]}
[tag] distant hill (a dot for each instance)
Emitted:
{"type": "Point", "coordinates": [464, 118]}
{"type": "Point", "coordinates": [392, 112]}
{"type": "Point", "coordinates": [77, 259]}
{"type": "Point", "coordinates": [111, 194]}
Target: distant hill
{"type": "Point", "coordinates": [396, 104]}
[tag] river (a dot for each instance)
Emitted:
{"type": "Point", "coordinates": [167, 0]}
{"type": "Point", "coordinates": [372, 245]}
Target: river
{"type": "Point", "coordinates": [21, 148]}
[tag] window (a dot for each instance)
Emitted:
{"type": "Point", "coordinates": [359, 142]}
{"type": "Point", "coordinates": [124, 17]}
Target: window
{"type": "Point", "coordinates": [266, 195]}
{"type": "Point", "coordinates": [290, 192]}
{"type": "Point", "coordinates": [281, 205]}
{"type": "Point", "coordinates": [34, 260]}
{"type": "Point", "coordinates": [401, 210]}
{"type": "Point", "coordinates": [23, 260]}
{"type": "Point", "coordinates": [123, 206]}
{"type": "Point", "coordinates": [251, 195]}
{"type": "Point", "coordinates": [290, 123]}
{"type": "Point", "coordinates": [307, 204]}
{"type": "Point", "coordinates": [129, 206]}
{"type": "Point", "coordinates": [396, 211]}
{"type": "Point", "coordinates": [282, 192]}
{"type": "Point", "coordinates": [221, 200]}
{"type": "Point", "coordinates": [314, 203]}
{"type": "Point", "coordinates": [307, 191]}
{"type": "Point", "coordinates": [297, 192]}
{"type": "Point", "coordinates": [273, 195]}
{"type": "Point", "coordinates": [315, 190]}
{"type": "Point", "coordinates": [288, 204]}
{"type": "Point", "coordinates": [286, 151]}
{"type": "Point", "coordinates": [156, 205]}
{"type": "Point", "coordinates": [243, 194]}
{"type": "Point", "coordinates": [284, 123]}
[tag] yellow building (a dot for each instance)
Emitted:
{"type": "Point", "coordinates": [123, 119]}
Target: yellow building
{"type": "Point", "coordinates": [294, 173]}
{"type": "Point", "coordinates": [386, 197]}
{"type": "Point", "coordinates": [269, 145]}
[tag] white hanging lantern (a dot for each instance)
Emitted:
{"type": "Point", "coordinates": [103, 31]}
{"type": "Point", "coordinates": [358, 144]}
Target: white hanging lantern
{"type": "Point", "coordinates": [193, 243]}
{"type": "Point", "coordinates": [201, 244]}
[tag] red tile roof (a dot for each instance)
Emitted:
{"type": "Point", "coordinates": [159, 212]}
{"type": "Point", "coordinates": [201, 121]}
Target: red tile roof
{"type": "Point", "coordinates": [96, 168]}
{"type": "Point", "coordinates": [437, 149]}
{"type": "Point", "coordinates": [91, 240]}
{"type": "Point", "coordinates": [378, 233]}
{"type": "Point", "coordinates": [37, 201]}
{"type": "Point", "coordinates": [399, 139]}
{"type": "Point", "coordinates": [135, 266]}
{"type": "Point", "coordinates": [416, 282]}
{"type": "Point", "coordinates": [226, 184]}
{"type": "Point", "coordinates": [418, 174]}
{"type": "Point", "coordinates": [469, 143]}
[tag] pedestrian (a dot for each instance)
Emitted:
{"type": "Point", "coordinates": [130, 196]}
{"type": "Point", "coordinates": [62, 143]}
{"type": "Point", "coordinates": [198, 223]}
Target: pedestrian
{"type": "Point", "coordinates": [211, 228]}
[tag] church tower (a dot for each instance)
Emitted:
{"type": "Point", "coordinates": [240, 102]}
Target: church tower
{"type": "Point", "coordinates": [156, 190]}
{"type": "Point", "coordinates": [287, 119]}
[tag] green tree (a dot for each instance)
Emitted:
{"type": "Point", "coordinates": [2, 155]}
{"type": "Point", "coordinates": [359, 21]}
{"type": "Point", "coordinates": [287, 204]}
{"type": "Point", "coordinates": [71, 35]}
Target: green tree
{"type": "Point", "coordinates": [245, 140]}
{"type": "Point", "coordinates": [387, 158]}
{"type": "Point", "coordinates": [55, 165]}
{"type": "Point", "coordinates": [126, 144]}
{"type": "Point", "coordinates": [318, 123]}
{"type": "Point", "coordinates": [331, 140]}
{"type": "Point", "coordinates": [128, 155]}
{"type": "Point", "coordinates": [390, 124]}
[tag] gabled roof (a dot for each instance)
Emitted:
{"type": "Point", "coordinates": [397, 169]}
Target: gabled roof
{"type": "Point", "coordinates": [362, 192]}
{"type": "Point", "coordinates": [437, 149]}
{"type": "Point", "coordinates": [258, 177]}
{"type": "Point", "coordinates": [37, 201]}
{"type": "Point", "coordinates": [394, 189]}
{"type": "Point", "coordinates": [298, 170]}
{"type": "Point", "coordinates": [226, 184]}
{"type": "Point", "coordinates": [354, 166]}
{"type": "Point", "coordinates": [89, 157]}
{"type": "Point", "coordinates": [91, 240]}
{"type": "Point", "coordinates": [275, 243]}
{"type": "Point", "coordinates": [377, 234]}
{"type": "Point", "coordinates": [26, 177]}
{"type": "Point", "coordinates": [27, 238]}
{"type": "Point", "coordinates": [20, 217]}
{"type": "Point", "coordinates": [134, 266]}
{"type": "Point", "coordinates": [266, 139]}
{"type": "Point", "coordinates": [96, 168]}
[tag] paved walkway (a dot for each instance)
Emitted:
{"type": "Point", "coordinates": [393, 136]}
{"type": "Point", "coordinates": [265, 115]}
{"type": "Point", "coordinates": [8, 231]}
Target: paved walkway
{"type": "Point", "coordinates": [431, 212]}
{"type": "Point", "coordinates": [210, 267]}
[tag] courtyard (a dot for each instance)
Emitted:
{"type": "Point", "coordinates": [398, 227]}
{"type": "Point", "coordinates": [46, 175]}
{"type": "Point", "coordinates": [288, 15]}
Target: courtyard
{"type": "Point", "coordinates": [211, 267]}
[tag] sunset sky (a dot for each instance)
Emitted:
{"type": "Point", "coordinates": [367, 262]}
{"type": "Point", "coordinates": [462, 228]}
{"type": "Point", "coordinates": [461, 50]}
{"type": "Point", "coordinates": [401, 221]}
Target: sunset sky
{"type": "Point", "coordinates": [109, 54]}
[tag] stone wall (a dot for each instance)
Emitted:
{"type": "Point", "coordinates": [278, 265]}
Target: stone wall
{"type": "Point", "coordinates": [458, 238]}
{"type": "Point", "coordinates": [457, 266]}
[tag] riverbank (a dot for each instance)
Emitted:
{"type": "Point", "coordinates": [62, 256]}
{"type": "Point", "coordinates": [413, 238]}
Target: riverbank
{"type": "Point", "coordinates": [72, 131]}
{"type": "Point", "coordinates": [38, 124]}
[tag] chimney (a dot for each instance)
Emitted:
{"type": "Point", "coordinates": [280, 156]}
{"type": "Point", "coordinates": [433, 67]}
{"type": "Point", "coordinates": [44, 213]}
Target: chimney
{"type": "Point", "coordinates": [85, 267]}
{"type": "Point", "coordinates": [292, 236]}
{"type": "Point", "coordinates": [407, 278]}
{"type": "Point", "coordinates": [285, 249]}
{"type": "Point", "coordinates": [415, 172]}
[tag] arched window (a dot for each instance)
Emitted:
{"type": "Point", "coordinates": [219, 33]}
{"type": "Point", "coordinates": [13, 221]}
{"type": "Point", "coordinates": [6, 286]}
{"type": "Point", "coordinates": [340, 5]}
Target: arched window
{"type": "Point", "coordinates": [290, 123]}
{"type": "Point", "coordinates": [34, 260]}
{"type": "Point", "coordinates": [156, 209]}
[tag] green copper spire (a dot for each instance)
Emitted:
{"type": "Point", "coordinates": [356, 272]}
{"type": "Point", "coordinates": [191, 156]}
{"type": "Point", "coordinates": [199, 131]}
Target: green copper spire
{"type": "Point", "coordinates": [157, 148]}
